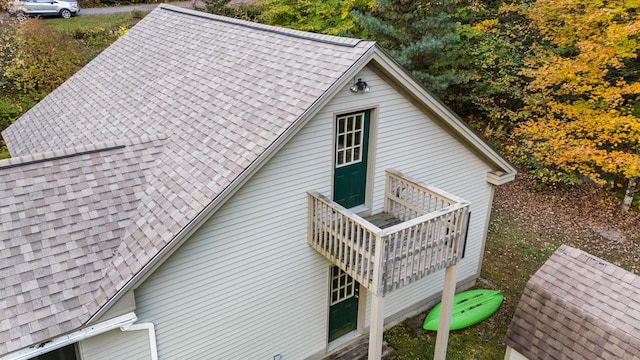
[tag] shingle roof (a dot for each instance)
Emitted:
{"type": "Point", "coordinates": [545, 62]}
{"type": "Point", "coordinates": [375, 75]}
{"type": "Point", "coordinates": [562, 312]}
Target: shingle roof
{"type": "Point", "coordinates": [222, 90]}
{"type": "Point", "coordinates": [62, 217]}
{"type": "Point", "coordinates": [578, 306]}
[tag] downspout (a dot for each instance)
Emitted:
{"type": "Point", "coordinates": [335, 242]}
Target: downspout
{"type": "Point", "coordinates": [151, 329]}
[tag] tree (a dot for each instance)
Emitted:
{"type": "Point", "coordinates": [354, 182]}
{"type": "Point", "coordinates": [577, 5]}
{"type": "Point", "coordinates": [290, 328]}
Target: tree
{"type": "Point", "coordinates": [332, 17]}
{"type": "Point", "coordinates": [419, 35]}
{"type": "Point", "coordinates": [34, 60]}
{"type": "Point", "coordinates": [8, 34]}
{"type": "Point", "coordinates": [493, 44]}
{"type": "Point", "coordinates": [240, 10]}
{"type": "Point", "coordinates": [463, 51]}
{"type": "Point", "coordinates": [582, 102]}
{"type": "Point", "coordinates": [8, 110]}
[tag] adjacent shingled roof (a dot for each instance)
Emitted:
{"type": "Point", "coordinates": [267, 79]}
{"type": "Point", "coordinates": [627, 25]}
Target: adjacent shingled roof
{"type": "Point", "coordinates": [62, 217]}
{"type": "Point", "coordinates": [578, 306]}
{"type": "Point", "coordinates": [223, 91]}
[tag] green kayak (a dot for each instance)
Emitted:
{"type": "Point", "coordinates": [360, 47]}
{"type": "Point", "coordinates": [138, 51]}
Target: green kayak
{"type": "Point", "coordinates": [469, 308]}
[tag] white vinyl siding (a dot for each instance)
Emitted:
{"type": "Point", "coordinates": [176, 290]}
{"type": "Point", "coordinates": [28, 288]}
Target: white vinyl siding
{"type": "Point", "coordinates": [247, 285]}
{"type": "Point", "coordinates": [115, 345]}
{"type": "Point", "coordinates": [424, 151]}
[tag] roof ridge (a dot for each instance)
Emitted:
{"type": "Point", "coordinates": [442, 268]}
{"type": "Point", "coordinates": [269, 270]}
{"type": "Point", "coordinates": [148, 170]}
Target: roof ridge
{"type": "Point", "coordinates": [79, 150]}
{"type": "Point", "coordinates": [323, 38]}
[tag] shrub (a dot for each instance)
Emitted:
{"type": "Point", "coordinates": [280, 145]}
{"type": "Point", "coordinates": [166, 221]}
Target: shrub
{"type": "Point", "coordinates": [138, 14]}
{"type": "Point", "coordinates": [8, 30]}
{"type": "Point", "coordinates": [43, 58]}
{"type": "Point", "coordinates": [12, 107]}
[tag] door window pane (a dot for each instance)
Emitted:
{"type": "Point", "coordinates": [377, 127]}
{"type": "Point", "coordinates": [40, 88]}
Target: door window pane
{"type": "Point", "coordinates": [342, 286]}
{"type": "Point", "coordinates": [349, 139]}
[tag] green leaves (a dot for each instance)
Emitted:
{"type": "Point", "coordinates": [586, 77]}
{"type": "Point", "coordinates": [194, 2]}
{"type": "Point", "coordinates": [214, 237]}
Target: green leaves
{"type": "Point", "coordinates": [35, 59]}
{"type": "Point", "coordinates": [420, 36]}
{"type": "Point", "coordinates": [333, 17]}
{"type": "Point", "coordinates": [43, 58]}
{"type": "Point", "coordinates": [463, 51]}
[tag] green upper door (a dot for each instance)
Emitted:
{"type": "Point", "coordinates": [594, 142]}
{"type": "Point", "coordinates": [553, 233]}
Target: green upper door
{"type": "Point", "coordinates": [352, 143]}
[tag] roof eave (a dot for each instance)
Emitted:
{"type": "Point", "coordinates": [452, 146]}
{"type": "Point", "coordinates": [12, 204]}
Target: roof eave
{"type": "Point", "coordinates": [500, 177]}
{"type": "Point", "coordinates": [228, 192]}
{"type": "Point", "coordinates": [503, 172]}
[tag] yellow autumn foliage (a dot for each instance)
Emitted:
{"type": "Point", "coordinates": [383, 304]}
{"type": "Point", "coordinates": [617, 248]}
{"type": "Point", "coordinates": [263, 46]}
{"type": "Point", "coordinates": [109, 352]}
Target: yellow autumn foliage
{"type": "Point", "coordinates": [580, 102]}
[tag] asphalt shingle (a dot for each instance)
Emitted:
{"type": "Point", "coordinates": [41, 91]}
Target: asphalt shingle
{"type": "Point", "coordinates": [577, 306]}
{"type": "Point", "coordinates": [60, 228]}
{"type": "Point", "coordinates": [223, 91]}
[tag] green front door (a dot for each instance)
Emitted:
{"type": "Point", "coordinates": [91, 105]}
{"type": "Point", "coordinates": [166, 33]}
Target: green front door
{"type": "Point", "coordinates": [343, 313]}
{"type": "Point", "coordinates": [352, 143]}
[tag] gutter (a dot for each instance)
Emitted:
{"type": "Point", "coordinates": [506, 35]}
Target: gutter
{"type": "Point", "coordinates": [68, 339]}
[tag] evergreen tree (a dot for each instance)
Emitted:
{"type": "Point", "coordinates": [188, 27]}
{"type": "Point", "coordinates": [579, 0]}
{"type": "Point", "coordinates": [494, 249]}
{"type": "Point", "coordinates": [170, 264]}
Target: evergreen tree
{"type": "Point", "coordinates": [458, 49]}
{"type": "Point", "coordinates": [419, 35]}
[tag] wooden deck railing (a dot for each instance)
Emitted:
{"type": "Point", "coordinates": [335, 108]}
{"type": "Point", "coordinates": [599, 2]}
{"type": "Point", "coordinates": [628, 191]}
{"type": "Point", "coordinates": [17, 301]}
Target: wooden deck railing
{"type": "Point", "coordinates": [382, 260]}
{"type": "Point", "coordinates": [345, 239]}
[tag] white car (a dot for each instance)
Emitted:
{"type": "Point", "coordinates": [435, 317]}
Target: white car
{"type": "Point", "coordinates": [25, 8]}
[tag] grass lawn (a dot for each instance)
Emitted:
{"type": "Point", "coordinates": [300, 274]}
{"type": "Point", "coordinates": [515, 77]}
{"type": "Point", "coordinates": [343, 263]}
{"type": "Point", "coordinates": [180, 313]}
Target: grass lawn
{"type": "Point", "coordinates": [526, 228]}
{"type": "Point", "coordinates": [96, 32]}
{"type": "Point", "coordinates": [508, 240]}
{"type": "Point", "coordinates": [109, 21]}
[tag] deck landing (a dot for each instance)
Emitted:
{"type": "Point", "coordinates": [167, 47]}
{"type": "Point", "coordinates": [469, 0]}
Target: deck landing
{"type": "Point", "coordinates": [359, 350]}
{"type": "Point", "coordinates": [383, 220]}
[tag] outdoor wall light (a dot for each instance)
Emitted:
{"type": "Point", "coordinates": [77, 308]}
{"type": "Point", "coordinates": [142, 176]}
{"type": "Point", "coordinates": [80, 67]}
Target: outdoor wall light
{"type": "Point", "coordinates": [359, 86]}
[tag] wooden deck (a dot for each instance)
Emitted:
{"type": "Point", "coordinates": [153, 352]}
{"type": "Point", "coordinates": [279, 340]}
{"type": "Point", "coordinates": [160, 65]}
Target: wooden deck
{"type": "Point", "coordinates": [420, 231]}
{"type": "Point", "coordinates": [408, 252]}
{"type": "Point", "coordinates": [383, 220]}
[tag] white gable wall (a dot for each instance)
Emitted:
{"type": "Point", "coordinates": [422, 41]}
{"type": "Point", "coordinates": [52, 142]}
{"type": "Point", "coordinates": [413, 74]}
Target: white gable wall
{"type": "Point", "coordinates": [247, 285]}
{"type": "Point", "coordinates": [426, 152]}
{"type": "Point", "coordinates": [116, 344]}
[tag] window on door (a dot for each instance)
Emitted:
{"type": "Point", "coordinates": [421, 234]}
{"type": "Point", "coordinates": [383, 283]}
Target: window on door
{"type": "Point", "coordinates": [343, 312]}
{"type": "Point", "coordinates": [342, 286]}
{"type": "Point", "coordinates": [349, 139]}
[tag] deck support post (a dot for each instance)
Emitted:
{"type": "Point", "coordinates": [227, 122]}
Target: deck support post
{"type": "Point", "coordinates": [377, 327]}
{"type": "Point", "coordinates": [448, 291]}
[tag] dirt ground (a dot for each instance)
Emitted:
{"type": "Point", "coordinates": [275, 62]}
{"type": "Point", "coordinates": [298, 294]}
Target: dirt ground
{"type": "Point", "coordinates": [528, 223]}
{"type": "Point", "coordinates": [589, 217]}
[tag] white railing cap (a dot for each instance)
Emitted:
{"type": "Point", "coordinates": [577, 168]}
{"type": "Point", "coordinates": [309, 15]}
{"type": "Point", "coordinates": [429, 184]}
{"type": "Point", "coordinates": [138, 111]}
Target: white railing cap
{"type": "Point", "coordinates": [424, 218]}
{"type": "Point", "coordinates": [448, 196]}
{"type": "Point", "coordinates": [341, 209]}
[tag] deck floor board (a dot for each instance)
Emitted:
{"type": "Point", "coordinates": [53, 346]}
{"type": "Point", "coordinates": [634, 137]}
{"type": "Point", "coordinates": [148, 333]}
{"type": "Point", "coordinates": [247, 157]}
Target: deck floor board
{"type": "Point", "coordinates": [383, 220]}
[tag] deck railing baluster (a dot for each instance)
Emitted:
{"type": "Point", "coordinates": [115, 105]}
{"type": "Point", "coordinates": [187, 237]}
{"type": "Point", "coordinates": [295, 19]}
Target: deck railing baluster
{"type": "Point", "coordinates": [428, 239]}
